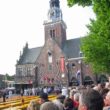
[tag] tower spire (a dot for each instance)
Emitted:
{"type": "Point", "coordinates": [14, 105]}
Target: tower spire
{"type": "Point", "coordinates": [54, 3]}
{"type": "Point", "coordinates": [54, 12]}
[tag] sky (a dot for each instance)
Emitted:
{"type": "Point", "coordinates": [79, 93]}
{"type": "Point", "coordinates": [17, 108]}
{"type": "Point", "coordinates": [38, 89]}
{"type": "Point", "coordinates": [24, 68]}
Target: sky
{"type": "Point", "coordinates": [21, 21]}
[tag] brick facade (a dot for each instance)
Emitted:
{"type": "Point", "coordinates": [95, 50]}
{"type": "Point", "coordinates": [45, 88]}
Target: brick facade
{"type": "Point", "coordinates": [41, 66]}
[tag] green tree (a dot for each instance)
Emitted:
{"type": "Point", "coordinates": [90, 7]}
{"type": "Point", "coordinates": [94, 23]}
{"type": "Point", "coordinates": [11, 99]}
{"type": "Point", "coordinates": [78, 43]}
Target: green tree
{"type": "Point", "coordinates": [8, 77]}
{"type": "Point", "coordinates": [96, 45]}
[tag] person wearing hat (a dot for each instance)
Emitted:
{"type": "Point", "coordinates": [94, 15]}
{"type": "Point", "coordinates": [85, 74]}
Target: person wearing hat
{"type": "Point", "coordinates": [43, 98]}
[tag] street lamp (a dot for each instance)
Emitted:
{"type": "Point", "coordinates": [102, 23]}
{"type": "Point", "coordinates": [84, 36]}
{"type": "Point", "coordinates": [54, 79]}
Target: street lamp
{"type": "Point", "coordinates": [68, 73]}
{"type": "Point", "coordinates": [81, 68]}
{"type": "Point", "coordinates": [63, 75]}
{"type": "Point", "coordinates": [81, 73]}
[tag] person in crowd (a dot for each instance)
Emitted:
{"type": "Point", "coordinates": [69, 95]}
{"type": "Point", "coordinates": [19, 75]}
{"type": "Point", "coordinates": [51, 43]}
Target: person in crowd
{"type": "Point", "coordinates": [107, 100]}
{"type": "Point", "coordinates": [33, 91]}
{"type": "Point", "coordinates": [104, 92]}
{"type": "Point", "coordinates": [61, 98]}
{"type": "Point", "coordinates": [107, 85]}
{"type": "Point", "coordinates": [38, 90]}
{"type": "Point", "coordinates": [43, 98]}
{"type": "Point", "coordinates": [59, 101]}
{"type": "Point", "coordinates": [45, 90]}
{"type": "Point", "coordinates": [10, 94]}
{"type": "Point", "coordinates": [76, 100]}
{"type": "Point", "coordinates": [98, 87]}
{"type": "Point", "coordinates": [74, 95]}
{"type": "Point", "coordinates": [72, 92]}
{"type": "Point", "coordinates": [65, 91]}
{"type": "Point", "coordinates": [4, 96]}
{"type": "Point", "coordinates": [25, 92]}
{"type": "Point", "coordinates": [68, 104]}
{"type": "Point", "coordinates": [21, 92]}
{"type": "Point", "coordinates": [90, 99]}
{"type": "Point", "coordinates": [49, 106]}
{"type": "Point", "coordinates": [30, 91]}
{"type": "Point", "coordinates": [49, 89]}
{"type": "Point", "coordinates": [33, 105]}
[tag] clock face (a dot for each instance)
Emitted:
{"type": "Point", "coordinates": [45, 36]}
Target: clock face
{"type": "Point", "coordinates": [54, 13]}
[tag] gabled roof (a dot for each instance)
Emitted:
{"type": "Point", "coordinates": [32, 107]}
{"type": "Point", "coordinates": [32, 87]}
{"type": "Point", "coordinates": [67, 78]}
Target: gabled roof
{"type": "Point", "coordinates": [31, 55]}
{"type": "Point", "coordinates": [72, 48]}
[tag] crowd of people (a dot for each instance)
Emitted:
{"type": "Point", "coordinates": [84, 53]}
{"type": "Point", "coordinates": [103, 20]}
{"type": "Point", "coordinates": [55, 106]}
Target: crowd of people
{"type": "Point", "coordinates": [89, 97]}
{"type": "Point", "coordinates": [36, 91]}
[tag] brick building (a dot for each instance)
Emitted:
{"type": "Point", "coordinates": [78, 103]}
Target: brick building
{"type": "Point", "coordinates": [58, 61]}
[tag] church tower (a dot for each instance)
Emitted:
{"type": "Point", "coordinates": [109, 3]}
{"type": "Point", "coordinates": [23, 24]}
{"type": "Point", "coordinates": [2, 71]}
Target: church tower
{"type": "Point", "coordinates": [54, 26]}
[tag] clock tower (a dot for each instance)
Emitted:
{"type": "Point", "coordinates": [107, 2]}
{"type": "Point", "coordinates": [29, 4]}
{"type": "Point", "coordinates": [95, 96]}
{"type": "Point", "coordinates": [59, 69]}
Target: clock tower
{"type": "Point", "coordinates": [54, 11]}
{"type": "Point", "coordinates": [54, 26]}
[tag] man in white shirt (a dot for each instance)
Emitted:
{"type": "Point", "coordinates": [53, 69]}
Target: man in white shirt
{"type": "Point", "coordinates": [65, 91]}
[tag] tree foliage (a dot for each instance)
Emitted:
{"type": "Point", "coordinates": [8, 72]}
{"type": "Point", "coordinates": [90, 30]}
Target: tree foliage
{"type": "Point", "coordinates": [96, 45]}
{"type": "Point", "coordinates": [8, 77]}
{"type": "Point", "coordinates": [79, 2]}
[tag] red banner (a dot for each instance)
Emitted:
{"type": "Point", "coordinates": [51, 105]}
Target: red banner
{"type": "Point", "coordinates": [62, 64]}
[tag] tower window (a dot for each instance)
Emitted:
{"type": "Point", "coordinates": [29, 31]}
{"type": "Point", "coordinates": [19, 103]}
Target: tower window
{"type": "Point", "coordinates": [52, 33]}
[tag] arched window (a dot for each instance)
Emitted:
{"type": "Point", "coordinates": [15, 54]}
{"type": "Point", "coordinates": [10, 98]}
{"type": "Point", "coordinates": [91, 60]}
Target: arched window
{"type": "Point", "coordinates": [52, 33]}
{"type": "Point", "coordinates": [73, 81]}
{"type": "Point", "coordinates": [49, 60]}
{"type": "Point", "coordinates": [49, 57]}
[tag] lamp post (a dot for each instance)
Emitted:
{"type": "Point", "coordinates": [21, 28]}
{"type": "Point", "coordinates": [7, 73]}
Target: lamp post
{"type": "Point", "coordinates": [68, 73]}
{"type": "Point", "coordinates": [81, 73]}
{"type": "Point", "coordinates": [81, 68]}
